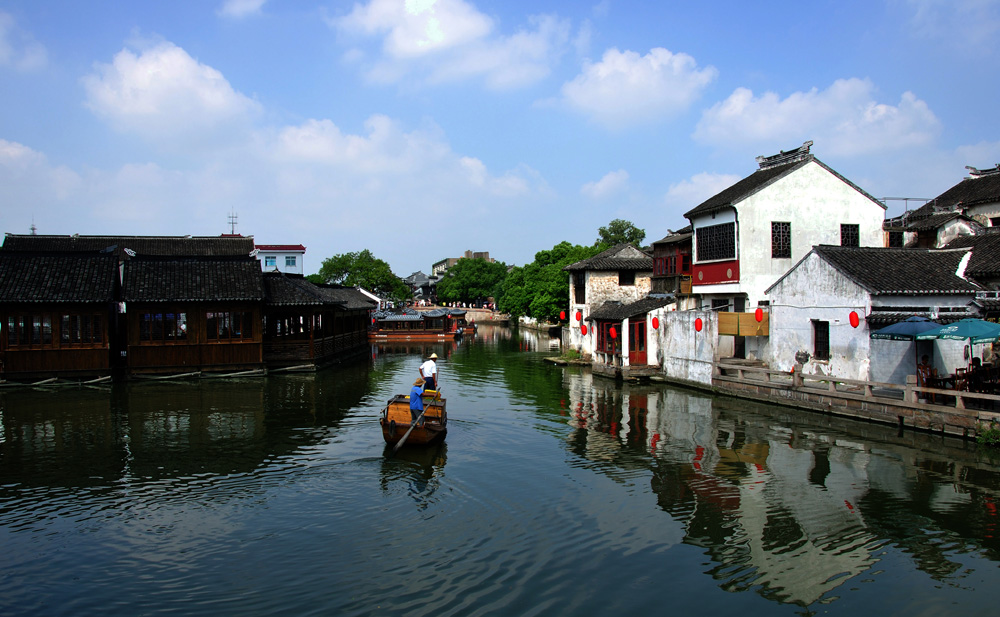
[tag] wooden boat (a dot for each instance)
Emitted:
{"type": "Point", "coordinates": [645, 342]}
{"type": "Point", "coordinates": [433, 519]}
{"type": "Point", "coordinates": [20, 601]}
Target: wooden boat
{"type": "Point", "coordinates": [396, 418]}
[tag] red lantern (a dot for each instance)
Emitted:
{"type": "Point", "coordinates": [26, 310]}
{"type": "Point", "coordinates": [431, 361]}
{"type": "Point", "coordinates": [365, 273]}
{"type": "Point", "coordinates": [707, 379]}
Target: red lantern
{"type": "Point", "coordinates": [562, 315]}
{"type": "Point", "coordinates": [583, 329]}
{"type": "Point", "coordinates": [855, 320]}
{"type": "Point", "coordinates": [759, 315]}
{"type": "Point", "coordinates": [656, 323]}
{"type": "Point", "coordinates": [579, 316]}
{"type": "Point", "coordinates": [613, 332]}
{"type": "Point", "coordinates": [697, 324]}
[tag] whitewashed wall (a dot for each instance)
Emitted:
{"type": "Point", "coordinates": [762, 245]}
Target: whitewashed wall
{"type": "Point", "coordinates": [682, 352]}
{"type": "Point", "coordinates": [815, 202]}
{"type": "Point", "coordinates": [814, 290]}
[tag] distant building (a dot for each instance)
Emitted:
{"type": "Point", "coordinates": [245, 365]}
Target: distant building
{"type": "Point", "coordinates": [287, 258]}
{"type": "Point", "coordinates": [440, 267]}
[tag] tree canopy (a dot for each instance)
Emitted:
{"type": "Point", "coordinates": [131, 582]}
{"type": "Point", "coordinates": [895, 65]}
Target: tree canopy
{"type": "Point", "coordinates": [620, 231]}
{"type": "Point", "coordinates": [541, 289]}
{"type": "Point", "coordinates": [362, 269]}
{"type": "Point", "coordinates": [471, 280]}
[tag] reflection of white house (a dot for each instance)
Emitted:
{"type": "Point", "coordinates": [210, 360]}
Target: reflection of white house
{"type": "Point", "coordinates": [751, 233]}
{"type": "Point", "coordinates": [281, 257]}
{"type": "Point", "coordinates": [811, 306]}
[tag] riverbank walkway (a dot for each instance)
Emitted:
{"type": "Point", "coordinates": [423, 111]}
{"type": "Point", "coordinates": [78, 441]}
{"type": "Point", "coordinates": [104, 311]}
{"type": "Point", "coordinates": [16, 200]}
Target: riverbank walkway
{"type": "Point", "coordinates": [952, 412]}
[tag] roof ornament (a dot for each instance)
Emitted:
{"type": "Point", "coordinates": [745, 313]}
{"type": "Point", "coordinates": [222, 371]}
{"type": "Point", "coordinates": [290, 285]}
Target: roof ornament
{"type": "Point", "coordinates": [254, 252]}
{"type": "Point", "coordinates": [130, 252]}
{"type": "Point", "coordinates": [782, 157]}
{"type": "Point", "coordinates": [979, 173]}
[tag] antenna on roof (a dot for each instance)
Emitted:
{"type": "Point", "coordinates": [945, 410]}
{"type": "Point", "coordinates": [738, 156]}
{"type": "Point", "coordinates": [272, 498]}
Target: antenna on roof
{"type": "Point", "coordinates": [233, 217]}
{"type": "Point", "coordinates": [34, 230]}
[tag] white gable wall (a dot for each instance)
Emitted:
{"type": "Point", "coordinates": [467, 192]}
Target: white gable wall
{"type": "Point", "coordinates": [815, 202]}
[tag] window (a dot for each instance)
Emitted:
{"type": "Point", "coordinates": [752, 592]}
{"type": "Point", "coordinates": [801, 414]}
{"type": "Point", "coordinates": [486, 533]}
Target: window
{"type": "Point", "coordinates": [229, 325]}
{"type": "Point", "coordinates": [626, 277]}
{"type": "Point", "coordinates": [995, 222]}
{"type": "Point", "coordinates": [850, 235]}
{"type": "Point", "coordinates": [686, 263]}
{"type": "Point", "coordinates": [165, 327]}
{"type": "Point", "coordinates": [289, 261]}
{"type": "Point", "coordinates": [781, 240]}
{"type": "Point", "coordinates": [54, 331]}
{"type": "Point", "coordinates": [605, 342]}
{"type": "Point", "coordinates": [721, 305]}
{"type": "Point", "coordinates": [579, 288]}
{"type": "Point", "coordinates": [660, 266]}
{"type": "Point", "coordinates": [896, 239]}
{"type": "Point", "coordinates": [270, 260]}
{"type": "Point", "coordinates": [821, 339]}
{"type": "Point", "coordinates": [717, 242]}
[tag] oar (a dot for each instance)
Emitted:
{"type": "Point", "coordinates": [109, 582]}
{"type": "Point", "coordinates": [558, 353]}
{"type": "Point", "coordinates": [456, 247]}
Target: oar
{"type": "Point", "coordinates": [413, 424]}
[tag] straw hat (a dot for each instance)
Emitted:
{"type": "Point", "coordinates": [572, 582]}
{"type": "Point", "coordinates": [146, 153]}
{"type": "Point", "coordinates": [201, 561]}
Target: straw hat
{"type": "Point", "coordinates": [418, 382]}
{"type": "Point", "coordinates": [433, 356]}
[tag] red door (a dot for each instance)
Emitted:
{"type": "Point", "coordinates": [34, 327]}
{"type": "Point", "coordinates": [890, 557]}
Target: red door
{"type": "Point", "coordinates": [637, 342]}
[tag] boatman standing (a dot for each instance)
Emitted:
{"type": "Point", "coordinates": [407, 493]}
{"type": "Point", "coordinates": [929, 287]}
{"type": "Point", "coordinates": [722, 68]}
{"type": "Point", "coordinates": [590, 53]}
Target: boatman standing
{"type": "Point", "coordinates": [416, 399]}
{"type": "Point", "coordinates": [429, 372]}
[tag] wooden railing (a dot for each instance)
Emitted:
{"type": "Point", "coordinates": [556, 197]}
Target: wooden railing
{"type": "Point", "coordinates": [985, 407]}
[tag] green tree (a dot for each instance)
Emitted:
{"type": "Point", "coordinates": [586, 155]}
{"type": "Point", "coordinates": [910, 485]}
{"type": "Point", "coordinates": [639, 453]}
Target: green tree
{"type": "Point", "coordinates": [541, 289]}
{"type": "Point", "coordinates": [620, 231]}
{"type": "Point", "coordinates": [362, 269]}
{"type": "Point", "coordinates": [471, 280]}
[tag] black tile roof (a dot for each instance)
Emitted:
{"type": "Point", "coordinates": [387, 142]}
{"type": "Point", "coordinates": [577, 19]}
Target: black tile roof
{"type": "Point", "coordinates": [64, 278]}
{"type": "Point", "coordinates": [616, 311]}
{"type": "Point", "coordinates": [969, 192]}
{"type": "Point", "coordinates": [140, 245]}
{"type": "Point", "coordinates": [895, 271]}
{"type": "Point", "coordinates": [933, 221]}
{"type": "Point", "coordinates": [348, 297]}
{"type": "Point", "coordinates": [676, 236]}
{"type": "Point", "coordinates": [985, 260]}
{"type": "Point", "coordinates": [193, 280]}
{"type": "Point", "coordinates": [761, 179]}
{"type": "Point", "coordinates": [621, 257]}
{"type": "Point", "coordinates": [283, 289]}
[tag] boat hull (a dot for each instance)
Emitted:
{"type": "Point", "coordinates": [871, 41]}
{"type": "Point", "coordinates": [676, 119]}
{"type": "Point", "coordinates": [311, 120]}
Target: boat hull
{"type": "Point", "coordinates": [395, 421]}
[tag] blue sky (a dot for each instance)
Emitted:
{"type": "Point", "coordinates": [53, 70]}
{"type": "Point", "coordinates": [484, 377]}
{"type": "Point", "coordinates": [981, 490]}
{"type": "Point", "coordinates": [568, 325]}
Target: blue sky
{"type": "Point", "coordinates": [419, 129]}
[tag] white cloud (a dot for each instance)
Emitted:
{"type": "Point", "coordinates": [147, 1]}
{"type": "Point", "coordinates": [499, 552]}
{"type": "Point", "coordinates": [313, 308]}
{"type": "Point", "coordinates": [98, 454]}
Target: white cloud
{"type": "Point", "coordinates": [18, 49]}
{"type": "Point", "coordinates": [165, 94]}
{"type": "Point", "coordinates": [237, 9]}
{"type": "Point", "coordinates": [689, 193]}
{"type": "Point", "coordinates": [449, 40]}
{"type": "Point", "coordinates": [611, 184]}
{"type": "Point", "coordinates": [845, 119]}
{"type": "Point", "coordinates": [971, 25]}
{"type": "Point", "coordinates": [418, 27]}
{"type": "Point", "coordinates": [625, 88]}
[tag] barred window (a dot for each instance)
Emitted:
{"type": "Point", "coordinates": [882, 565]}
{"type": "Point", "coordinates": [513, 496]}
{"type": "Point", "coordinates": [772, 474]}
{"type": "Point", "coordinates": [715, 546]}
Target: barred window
{"type": "Point", "coordinates": [781, 240]}
{"type": "Point", "coordinates": [717, 242]}
{"type": "Point", "coordinates": [850, 235]}
{"type": "Point", "coordinates": [896, 239]}
{"type": "Point", "coordinates": [821, 339]}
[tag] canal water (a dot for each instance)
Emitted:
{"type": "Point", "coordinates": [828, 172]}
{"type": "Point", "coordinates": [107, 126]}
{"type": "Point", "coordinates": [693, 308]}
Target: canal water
{"type": "Point", "coordinates": [555, 493]}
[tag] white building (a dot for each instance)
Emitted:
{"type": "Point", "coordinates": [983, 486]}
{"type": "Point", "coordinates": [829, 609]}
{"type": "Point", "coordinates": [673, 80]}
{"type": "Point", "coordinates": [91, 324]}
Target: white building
{"type": "Point", "coordinates": [750, 234]}
{"type": "Point", "coordinates": [811, 306]}
{"type": "Point", "coordinates": [282, 257]}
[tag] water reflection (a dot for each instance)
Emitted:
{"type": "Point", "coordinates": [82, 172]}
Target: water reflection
{"type": "Point", "coordinates": [785, 504]}
{"type": "Point", "coordinates": [555, 492]}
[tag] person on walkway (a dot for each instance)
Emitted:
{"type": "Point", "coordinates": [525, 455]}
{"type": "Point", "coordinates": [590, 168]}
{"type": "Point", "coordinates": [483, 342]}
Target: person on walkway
{"type": "Point", "coordinates": [416, 399]}
{"type": "Point", "coordinates": [429, 372]}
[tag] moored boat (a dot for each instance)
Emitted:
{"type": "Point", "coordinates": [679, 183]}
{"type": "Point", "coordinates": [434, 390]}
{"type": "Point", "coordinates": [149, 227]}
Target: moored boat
{"type": "Point", "coordinates": [396, 420]}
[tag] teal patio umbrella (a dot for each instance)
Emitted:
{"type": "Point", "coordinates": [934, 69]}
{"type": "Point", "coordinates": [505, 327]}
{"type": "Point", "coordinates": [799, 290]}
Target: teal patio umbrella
{"type": "Point", "coordinates": [905, 330]}
{"type": "Point", "coordinates": [971, 330]}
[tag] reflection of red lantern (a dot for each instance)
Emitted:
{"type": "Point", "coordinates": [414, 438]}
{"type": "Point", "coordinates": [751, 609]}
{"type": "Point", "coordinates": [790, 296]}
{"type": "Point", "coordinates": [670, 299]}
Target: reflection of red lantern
{"type": "Point", "coordinates": [759, 315]}
{"type": "Point", "coordinates": [656, 323]}
{"type": "Point", "coordinates": [855, 320]}
{"type": "Point", "coordinates": [697, 324]}
{"type": "Point", "coordinates": [579, 316]}
{"type": "Point", "coordinates": [613, 332]}
{"type": "Point", "coordinates": [583, 329]}
{"type": "Point", "coordinates": [562, 315]}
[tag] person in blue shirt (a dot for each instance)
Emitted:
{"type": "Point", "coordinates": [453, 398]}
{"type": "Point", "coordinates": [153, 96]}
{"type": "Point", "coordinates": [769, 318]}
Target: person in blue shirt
{"type": "Point", "coordinates": [416, 399]}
